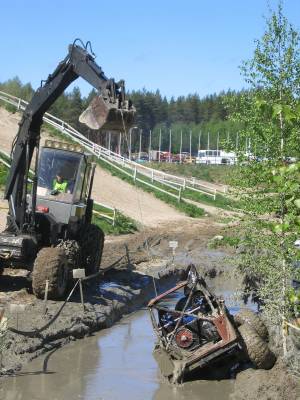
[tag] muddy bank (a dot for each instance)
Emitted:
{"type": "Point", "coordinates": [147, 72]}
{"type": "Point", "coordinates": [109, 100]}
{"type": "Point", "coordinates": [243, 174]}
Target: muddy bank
{"type": "Point", "coordinates": [275, 384]}
{"type": "Point", "coordinates": [119, 293]}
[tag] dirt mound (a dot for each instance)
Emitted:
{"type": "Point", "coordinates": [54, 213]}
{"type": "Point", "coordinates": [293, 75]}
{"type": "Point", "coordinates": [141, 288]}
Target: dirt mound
{"type": "Point", "coordinates": [275, 384]}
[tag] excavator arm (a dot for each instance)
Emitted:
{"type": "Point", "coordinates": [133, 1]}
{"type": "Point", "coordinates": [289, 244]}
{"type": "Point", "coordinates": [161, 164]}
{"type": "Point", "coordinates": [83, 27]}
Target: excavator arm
{"type": "Point", "coordinates": [110, 111]}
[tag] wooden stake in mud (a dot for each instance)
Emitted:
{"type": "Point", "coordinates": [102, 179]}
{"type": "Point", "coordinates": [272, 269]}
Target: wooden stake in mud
{"type": "Point", "coordinates": [79, 273]}
{"type": "Point", "coordinates": [46, 296]}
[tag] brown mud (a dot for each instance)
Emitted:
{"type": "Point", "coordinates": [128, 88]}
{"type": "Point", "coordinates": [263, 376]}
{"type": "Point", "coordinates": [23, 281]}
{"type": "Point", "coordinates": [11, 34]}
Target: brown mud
{"type": "Point", "coordinates": [126, 356]}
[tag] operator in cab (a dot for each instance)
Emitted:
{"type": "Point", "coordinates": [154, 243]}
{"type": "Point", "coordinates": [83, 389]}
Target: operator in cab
{"type": "Point", "coordinates": [60, 185]}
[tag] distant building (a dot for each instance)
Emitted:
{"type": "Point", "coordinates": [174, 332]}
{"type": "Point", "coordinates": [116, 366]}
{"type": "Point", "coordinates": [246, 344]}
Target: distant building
{"type": "Point", "coordinates": [217, 157]}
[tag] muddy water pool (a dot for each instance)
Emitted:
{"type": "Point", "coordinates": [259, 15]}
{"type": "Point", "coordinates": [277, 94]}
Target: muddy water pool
{"type": "Point", "coordinates": [116, 363]}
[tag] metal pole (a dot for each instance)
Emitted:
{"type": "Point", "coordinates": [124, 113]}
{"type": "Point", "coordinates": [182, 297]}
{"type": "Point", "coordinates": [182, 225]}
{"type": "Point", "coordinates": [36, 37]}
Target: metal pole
{"type": "Point", "coordinates": [81, 294]}
{"type": "Point", "coordinates": [120, 143]}
{"type": "Point", "coordinates": [109, 141]}
{"type": "Point", "coordinates": [236, 142]}
{"type": "Point", "coordinates": [150, 140]}
{"type": "Point", "coordinates": [130, 131]}
{"type": "Point", "coordinates": [180, 155]}
{"type": "Point", "coordinates": [199, 141]}
{"type": "Point", "coordinates": [218, 138]}
{"type": "Point", "coordinates": [140, 148]}
{"type": "Point", "coordinates": [190, 145]}
{"type": "Point", "coordinates": [159, 145]}
{"type": "Point", "coordinates": [170, 145]}
{"type": "Point", "coordinates": [208, 141]}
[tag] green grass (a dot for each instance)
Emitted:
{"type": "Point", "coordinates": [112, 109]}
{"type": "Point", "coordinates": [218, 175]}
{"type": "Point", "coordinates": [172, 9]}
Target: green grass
{"type": "Point", "coordinates": [123, 224]}
{"type": "Point", "coordinates": [188, 209]}
{"type": "Point", "coordinates": [221, 201]}
{"type": "Point", "coordinates": [230, 241]}
{"type": "Point", "coordinates": [210, 173]}
{"type": "Point", "coordinates": [3, 175]}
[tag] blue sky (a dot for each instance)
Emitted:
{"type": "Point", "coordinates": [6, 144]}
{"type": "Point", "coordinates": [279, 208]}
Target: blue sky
{"type": "Point", "coordinates": [177, 46]}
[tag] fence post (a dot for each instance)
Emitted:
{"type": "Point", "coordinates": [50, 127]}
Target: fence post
{"type": "Point", "coordinates": [193, 182]}
{"type": "Point", "coordinates": [134, 174]}
{"type": "Point", "coordinates": [19, 104]}
{"type": "Point", "coordinates": [179, 195]}
{"type": "Point", "coordinates": [184, 184]}
{"type": "Point", "coordinates": [114, 220]}
{"type": "Point", "coordinates": [152, 175]}
{"type": "Point", "coordinates": [215, 194]}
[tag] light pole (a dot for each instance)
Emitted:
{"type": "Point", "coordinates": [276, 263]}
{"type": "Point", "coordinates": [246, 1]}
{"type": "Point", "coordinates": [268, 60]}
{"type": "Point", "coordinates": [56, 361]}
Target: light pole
{"type": "Point", "coordinates": [159, 145]}
{"type": "Point", "coordinates": [170, 145]}
{"type": "Point", "coordinates": [190, 146]}
{"type": "Point", "coordinates": [130, 133]}
{"type": "Point", "coordinates": [120, 143]}
{"type": "Point", "coordinates": [150, 140]}
{"type": "Point", "coordinates": [180, 154]}
{"type": "Point", "coordinates": [140, 148]}
{"type": "Point", "coordinates": [109, 141]}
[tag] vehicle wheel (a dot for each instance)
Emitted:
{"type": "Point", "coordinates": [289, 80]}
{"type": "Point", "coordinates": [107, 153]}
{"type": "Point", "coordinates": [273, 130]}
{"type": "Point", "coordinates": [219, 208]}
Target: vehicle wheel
{"type": "Point", "coordinates": [72, 250]}
{"type": "Point", "coordinates": [254, 320]}
{"type": "Point", "coordinates": [92, 247]}
{"type": "Point", "coordinates": [257, 350]}
{"type": "Point", "coordinates": [50, 264]}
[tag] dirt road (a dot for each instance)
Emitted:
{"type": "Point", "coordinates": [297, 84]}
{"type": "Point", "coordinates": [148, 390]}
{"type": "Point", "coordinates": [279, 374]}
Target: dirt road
{"type": "Point", "coordinates": [135, 203]}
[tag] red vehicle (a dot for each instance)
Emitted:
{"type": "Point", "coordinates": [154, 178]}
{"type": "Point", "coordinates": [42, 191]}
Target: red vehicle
{"type": "Point", "coordinates": [199, 331]}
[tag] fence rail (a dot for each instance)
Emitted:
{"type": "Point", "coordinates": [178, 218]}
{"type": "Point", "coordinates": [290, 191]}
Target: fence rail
{"type": "Point", "coordinates": [175, 182]}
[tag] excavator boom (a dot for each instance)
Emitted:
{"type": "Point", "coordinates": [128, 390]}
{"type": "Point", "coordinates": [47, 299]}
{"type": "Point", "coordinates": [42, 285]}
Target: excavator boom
{"type": "Point", "coordinates": [108, 111]}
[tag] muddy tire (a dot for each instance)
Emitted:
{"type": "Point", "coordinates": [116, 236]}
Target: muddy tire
{"type": "Point", "coordinates": [50, 264]}
{"type": "Point", "coordinates": [254, 320]}
{"type": "Point", "coordinates": [92, 243]}
{"type": "Point", "coordinates": [256, 349]}
{"type": "Point", "coordinates": [72, 250]}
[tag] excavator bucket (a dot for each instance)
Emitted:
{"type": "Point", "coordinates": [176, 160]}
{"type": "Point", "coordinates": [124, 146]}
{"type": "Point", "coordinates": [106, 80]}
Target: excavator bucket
{"type": "Point", "coordinates": [105, 115]}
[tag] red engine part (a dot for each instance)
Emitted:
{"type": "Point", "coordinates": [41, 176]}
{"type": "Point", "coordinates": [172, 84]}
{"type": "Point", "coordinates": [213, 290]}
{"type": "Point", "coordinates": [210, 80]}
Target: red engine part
{"type": "Point", "coordinates": [184, 338]}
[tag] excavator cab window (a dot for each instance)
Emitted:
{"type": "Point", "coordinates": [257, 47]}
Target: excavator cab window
{"type": "Point", "coordinates": [57, 174]}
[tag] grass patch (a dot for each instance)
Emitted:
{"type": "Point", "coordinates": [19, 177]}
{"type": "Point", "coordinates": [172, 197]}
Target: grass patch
{"type": "Point", "coordinates": [188, 209]}
{"type": "Point", "coordinates": [3, 175]}
{"type": "Point", "coordinates": [221, 201]}
{"type": "Point", "coordinates": [229, 241]}
{"type": "Point", "coordinates": [210, 173]}
{"type": "Point", "coordinates": [123, 224]}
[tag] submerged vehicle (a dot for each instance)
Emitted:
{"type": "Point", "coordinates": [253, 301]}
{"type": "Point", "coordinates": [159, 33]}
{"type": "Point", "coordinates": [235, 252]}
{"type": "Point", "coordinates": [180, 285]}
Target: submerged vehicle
{"type": "Point", "coordinates": [198, 331]}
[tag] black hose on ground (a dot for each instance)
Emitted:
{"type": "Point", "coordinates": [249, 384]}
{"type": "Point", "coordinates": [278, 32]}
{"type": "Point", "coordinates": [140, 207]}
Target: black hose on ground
{"type": "Point", "coordinates": [36, 332]}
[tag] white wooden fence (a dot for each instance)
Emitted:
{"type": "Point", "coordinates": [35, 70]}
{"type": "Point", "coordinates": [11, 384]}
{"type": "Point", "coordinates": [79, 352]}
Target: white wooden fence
{"type": "Point", "coordinates": [176, 183]}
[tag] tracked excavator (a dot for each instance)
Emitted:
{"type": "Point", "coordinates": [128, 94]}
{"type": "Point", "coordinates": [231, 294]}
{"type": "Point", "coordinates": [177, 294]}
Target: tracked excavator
{"type": "Point", "coordinates": [49, 225]}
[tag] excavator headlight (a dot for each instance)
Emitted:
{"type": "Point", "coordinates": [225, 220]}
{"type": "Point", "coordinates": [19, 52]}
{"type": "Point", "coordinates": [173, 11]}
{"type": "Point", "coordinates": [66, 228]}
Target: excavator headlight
{"type": "Point", "coordinates": [64, 146]}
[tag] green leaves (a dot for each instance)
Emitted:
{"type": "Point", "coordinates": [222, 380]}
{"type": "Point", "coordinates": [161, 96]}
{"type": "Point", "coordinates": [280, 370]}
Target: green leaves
{"type": "Point", "coordinates": [297, 203]}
